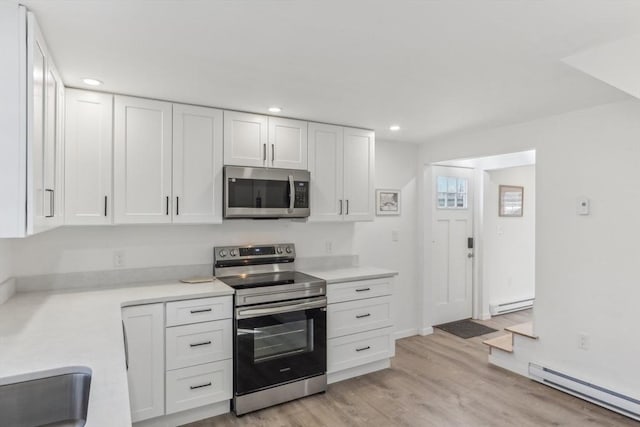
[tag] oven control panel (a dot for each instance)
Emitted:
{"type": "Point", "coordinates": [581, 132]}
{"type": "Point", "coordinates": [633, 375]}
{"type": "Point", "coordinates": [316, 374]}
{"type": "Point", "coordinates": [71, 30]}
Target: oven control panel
{"type": "Point", "coordinates": [256, 253]}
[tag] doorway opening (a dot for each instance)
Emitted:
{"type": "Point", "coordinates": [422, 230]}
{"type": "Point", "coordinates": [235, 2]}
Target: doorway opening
{"type": "Point", "coordinates": [479, 237]}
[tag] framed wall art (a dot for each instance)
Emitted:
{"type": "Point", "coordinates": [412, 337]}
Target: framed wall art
{"type": "Point", "coordinates": [387, 202]}
{"type": "Point", "coordinates": [510, 200]}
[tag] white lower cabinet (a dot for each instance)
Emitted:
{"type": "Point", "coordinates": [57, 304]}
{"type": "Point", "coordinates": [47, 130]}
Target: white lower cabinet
{"type": "Point", "coordinates": [143, 328]}
{"type": "Point", "coordinates": [355, 350]}
{"type": "Point", "coordinates": [196, 343]}
{"type": "Point", "coordinates": [199, 343]}
{"type": "Point", "coordinates": [359, 327]}
{"type": "Point", "coordinates": [199, 385]}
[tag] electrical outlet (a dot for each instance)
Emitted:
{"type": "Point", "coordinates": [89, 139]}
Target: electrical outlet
{"type": "Point", "coordinates": [583, 341]}
{"type": "Point", "coordinates": [328, 246]}
{"type": "Point", "coordinates": [118, 259]}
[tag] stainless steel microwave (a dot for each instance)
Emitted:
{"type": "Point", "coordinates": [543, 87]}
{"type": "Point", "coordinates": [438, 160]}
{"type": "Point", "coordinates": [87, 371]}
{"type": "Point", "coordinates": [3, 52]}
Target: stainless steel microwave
{"type": "Point", "coordinates": [265, 193]}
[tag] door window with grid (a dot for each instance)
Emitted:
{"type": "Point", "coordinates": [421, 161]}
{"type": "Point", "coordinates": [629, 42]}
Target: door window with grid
{"type": "Point", "coordinates": [451, 192]}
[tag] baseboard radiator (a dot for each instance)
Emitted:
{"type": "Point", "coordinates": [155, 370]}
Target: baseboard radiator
{"type": "Point", "coordinates": [512, 306]}
{"type": "Point", "coordinates": [609, 399]}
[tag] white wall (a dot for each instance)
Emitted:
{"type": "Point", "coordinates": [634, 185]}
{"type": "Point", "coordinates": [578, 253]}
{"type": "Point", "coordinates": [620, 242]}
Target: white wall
{"type": "Point", "coordinates": [6, 269]}
{"type": "Point", "coordinates": [509, 242]}
{"type": "Point", "coordinates": [586, 266]}
{"type": "Point", "coordinates": [395, 169]}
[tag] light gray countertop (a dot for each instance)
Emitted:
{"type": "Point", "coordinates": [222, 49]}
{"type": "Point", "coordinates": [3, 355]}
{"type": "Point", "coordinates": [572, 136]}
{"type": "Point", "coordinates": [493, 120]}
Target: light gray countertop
{"type": "Point", "coordinates": [52, 330]}
{"type": "Point", "coordinates": [350, 274]}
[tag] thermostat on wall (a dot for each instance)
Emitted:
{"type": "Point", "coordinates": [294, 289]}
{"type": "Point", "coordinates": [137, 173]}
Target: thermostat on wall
{"type": "Point", "coordinates": [583, 206]}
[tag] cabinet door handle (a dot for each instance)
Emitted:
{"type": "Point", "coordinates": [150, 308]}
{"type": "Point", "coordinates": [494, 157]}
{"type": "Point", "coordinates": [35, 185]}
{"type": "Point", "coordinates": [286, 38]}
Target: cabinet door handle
{"type": "Point", "coordinates": [363, 348]}
{"type": "Point", "coordinates": [360, 316]}
{"type": "Point", "coordinates": [193, 387]}
{"type": "Point", "coordinates": [105, 205]}
{"type": "Point", "coordinates": [167, 211]}
{"type": "Point", "coordinates": [177, 205]}
{"type": "Point", "coordinates": [264, 152]}
{"type": "Point", "coordinates": [198, 344]}
{"type": "Point", "coordinates": [200, 311]}
{"type": "Point", "coordinates": [347, 213]}
{"type": "Point", "coordinates": [126, 346]}
{"type": "Point", "coordinates": [340, 208]}
{"type": "Point", "coordinates": [51, 203]}
{"type": "Point", "coordinates": [363, 289]}
{"type": "Point", "coordinates": [273, 153]}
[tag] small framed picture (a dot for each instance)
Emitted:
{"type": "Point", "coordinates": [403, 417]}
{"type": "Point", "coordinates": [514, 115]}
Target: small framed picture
{"type": "Point", "coordinates": [387, 202]}
{"type": "Point", "coordinates": [510, 200]}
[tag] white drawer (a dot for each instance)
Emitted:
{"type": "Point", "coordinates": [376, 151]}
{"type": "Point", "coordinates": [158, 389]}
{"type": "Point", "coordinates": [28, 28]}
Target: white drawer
{"type": "Point", "coordinates": [351, 317]}
{"type": "Point", "coordinates": [358, 349]}
{"type": "Point", "coordinates": [199, 310]}
{"type": "Point", "coordinates": [200, 385]}
{"type": "Point", "coordinates": [198, 343]}
{"type": "Point", "coordinates": [349, 291]}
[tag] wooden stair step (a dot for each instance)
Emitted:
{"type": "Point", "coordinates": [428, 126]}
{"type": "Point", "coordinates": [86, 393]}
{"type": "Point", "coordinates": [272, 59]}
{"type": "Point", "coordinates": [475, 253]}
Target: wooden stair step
{"type": "Point", "coordinates": [524, 329]}
{"type": "Point", "coordinates": [503, 342]}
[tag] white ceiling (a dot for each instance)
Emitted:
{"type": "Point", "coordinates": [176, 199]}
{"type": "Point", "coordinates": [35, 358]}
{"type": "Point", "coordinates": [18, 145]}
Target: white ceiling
{"type": "Point", "coordinates": [433, 67]}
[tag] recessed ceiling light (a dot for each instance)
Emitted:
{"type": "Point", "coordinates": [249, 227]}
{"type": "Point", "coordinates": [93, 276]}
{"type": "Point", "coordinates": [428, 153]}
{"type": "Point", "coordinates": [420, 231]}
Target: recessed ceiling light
{"type": "Point", "coordinates": [394, 127]}
{"type": "Point", "coordinates": [92, 82]}
{"type": "Point", "coordinates": [275, 109]}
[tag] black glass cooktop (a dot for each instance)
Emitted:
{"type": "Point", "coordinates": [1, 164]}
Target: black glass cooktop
{"type": "Point", "coordinates": [245, 281]}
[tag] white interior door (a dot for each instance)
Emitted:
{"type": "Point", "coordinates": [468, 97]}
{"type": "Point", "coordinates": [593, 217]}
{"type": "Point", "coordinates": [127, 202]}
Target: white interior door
{"type": "Point", "coordinates": [452, 259]}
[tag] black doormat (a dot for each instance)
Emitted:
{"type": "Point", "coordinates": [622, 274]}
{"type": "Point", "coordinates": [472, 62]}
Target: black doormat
{"type": "Point", "coordinates": [465, 328]}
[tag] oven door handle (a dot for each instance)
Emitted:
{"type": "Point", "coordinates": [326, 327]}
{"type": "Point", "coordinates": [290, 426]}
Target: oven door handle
{"type": "Point", "coordinates": [292, 194]}
{"type": "Point", "coordinates": [256, 312]}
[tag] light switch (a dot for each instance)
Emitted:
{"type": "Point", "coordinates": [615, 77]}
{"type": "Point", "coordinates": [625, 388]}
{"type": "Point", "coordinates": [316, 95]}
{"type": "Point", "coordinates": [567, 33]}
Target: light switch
{"type": "Point", "coordinates": [583, 206]}
{"type": "Point", "coordinates": [395, 235]}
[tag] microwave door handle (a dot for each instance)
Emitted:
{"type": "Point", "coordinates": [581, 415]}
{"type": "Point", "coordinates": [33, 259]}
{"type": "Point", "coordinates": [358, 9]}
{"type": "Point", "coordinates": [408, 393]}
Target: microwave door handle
{"type": "Point", "coordinates": [291, 193]}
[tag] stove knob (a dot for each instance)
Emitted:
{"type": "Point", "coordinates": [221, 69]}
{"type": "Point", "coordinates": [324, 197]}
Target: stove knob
{"type": "Point", "coordinates": [288, 249]}
{"type": "Point", "coordinates": [222, 253]}
{"type": "Point", "coordinates": [233, 252]}
{"type": "Point", "coordinates": [279, 251]}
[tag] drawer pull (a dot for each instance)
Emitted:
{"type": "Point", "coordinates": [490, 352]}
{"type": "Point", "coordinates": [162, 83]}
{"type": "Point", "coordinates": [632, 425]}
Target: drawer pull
{"type": "Point", "coordinates": [360, 316]}
{"type": "Point", "coordinates": [200, 343]}
{"type": "Point", "coordinates": [193, 387]}
{"type": "Point", "coordinates": [363, 348]}
{"type": "Point", "coordinates": [363, 289]}
{"type": "Point", "coordinates": [200, 311]}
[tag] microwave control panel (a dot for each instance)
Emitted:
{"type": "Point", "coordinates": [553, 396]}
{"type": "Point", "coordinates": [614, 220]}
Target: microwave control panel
{"type": "Point", "coordinates": [301, 195]}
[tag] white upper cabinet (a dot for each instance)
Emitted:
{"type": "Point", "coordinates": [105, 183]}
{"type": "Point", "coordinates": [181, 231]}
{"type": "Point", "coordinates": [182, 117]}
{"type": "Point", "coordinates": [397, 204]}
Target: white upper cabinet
{"type": "Point", "coordinates": [287, 144]}
{"type": "Point", "coordinates": [245, 139]}
{"type": "Point", "coordinates": [261, 141]}
{"type": "Point", "coordinates": [142, 161]}
{"type": "Point", "coordinates": [341, 162]}
{"type": "Point", "coordinates": [326, 168]}
{"type": "Point", "coordinates": [197, 164]}
{"type": "Point", "coordinates": [359, 161]}
{"type": "Point", "coordinates": [88, 157]}
{"type": "Point", "coordinates": [44, 119]}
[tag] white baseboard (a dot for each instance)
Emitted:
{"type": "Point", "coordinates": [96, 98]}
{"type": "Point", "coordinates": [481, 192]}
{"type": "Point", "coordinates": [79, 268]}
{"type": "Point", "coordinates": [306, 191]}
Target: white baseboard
{"type": "Point", "coordinates": [426, 331]}
{"type": "Point", "coordinates": [7, 289]}
{"type": "Point", "coordinates": [334, 377]}
{"type": "Point", "coordinates": [405, 333]}
{"type": "Point", "coordinates": [189, 416]}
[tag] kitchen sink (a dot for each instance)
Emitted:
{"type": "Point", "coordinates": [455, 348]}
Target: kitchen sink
{"type": "Point", "coordinates": [52, 398]}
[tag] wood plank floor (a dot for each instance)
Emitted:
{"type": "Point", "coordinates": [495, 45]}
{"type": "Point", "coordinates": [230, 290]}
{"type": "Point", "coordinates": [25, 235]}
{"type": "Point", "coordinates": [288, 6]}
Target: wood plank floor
{"type": "Point", "coordinates": [437, 380]}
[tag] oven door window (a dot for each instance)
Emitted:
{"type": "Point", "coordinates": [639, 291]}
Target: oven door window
{"type": "Point", "coordinates": [279, 348]}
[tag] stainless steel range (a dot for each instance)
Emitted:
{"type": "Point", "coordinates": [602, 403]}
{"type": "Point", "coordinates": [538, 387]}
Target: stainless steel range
{"type": "Point", "coordinates": [280, 325]}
